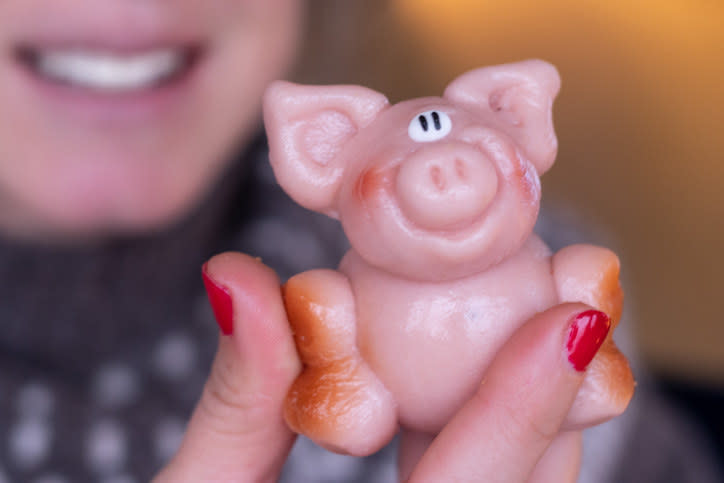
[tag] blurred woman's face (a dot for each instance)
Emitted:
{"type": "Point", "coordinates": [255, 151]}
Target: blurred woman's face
{"type": "Point", "coordinates": [116, 115]}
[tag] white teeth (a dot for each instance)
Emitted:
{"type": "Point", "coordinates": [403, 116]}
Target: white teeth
{"type": "Point", "coordinates": [109, 72]}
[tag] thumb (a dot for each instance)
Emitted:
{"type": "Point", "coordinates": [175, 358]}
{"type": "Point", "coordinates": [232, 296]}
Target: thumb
{"type": "Point", "coordinates": [237, 432]}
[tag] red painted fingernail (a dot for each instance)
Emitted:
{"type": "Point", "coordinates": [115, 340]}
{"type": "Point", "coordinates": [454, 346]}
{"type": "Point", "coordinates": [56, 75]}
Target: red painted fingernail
{"type": "Point", "coordinates": [221, 304]}
{"type": "Point", "coordinates": [588, 331]}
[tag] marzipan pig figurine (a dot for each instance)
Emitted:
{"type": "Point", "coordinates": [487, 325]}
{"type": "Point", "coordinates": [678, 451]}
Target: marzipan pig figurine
{"type": "Point", "coordinates": [438, 197]}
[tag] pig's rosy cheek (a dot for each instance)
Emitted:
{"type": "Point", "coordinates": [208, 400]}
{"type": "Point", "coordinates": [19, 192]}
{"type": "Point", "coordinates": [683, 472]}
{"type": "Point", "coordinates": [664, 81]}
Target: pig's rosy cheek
{"type": "Point", "coordinates": [528, 180]}
{"type": "Point", "coordinates": [370, 183]}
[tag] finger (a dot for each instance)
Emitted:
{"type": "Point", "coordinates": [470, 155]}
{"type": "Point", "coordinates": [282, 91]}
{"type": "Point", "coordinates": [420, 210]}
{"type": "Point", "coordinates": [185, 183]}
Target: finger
{"type": "Point", "coordinates": [562, 460]}
{"type": "Point", "coordinates": [237, 432]}
{"type": "Point", "coordinates": [502, 432]}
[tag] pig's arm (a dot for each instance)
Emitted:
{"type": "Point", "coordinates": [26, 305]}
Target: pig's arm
{"type": "Point", "coordinates": [336, 401]}
{"type": "Point", "coordinates": [590, 274]}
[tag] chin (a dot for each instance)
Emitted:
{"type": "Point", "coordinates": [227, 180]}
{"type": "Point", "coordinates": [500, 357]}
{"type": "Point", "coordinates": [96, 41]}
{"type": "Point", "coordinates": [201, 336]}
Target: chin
{"type": "Point", "coordinates": [99, 210]}
{"type": "Point", "coordinates": [84, 227]}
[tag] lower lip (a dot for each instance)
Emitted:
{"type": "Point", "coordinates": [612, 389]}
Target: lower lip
{"type": "Point", "coordinates": [91, 105]}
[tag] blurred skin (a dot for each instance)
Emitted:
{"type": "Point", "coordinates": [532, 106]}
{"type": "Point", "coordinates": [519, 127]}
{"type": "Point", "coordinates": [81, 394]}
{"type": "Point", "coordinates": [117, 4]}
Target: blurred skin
{"type": "Point", "coordinates": [76, 163]}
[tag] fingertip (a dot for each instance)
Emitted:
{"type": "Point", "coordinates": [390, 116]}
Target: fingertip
{"type": "Point", "coordinates": [234, 269]}
{"type": "Point", "coordinates": [260, 328]}
{"type": "Point", "coordinates": [220, 300]}
{"type": "Point", "coordinates": [253, 288]}
{"type": "Point", "coordinates": [542, 342]}
{"type": "Point", "coordinates": [586, 334]}
{"type": "Point", "coordinates": [580, 330]}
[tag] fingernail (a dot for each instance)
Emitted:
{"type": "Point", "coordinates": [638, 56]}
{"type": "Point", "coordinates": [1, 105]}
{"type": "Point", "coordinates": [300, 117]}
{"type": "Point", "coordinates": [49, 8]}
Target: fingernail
{"type": "Point", "coordinates": [221, 304]}
{"type": "Point", "coordinates": [587, 333]}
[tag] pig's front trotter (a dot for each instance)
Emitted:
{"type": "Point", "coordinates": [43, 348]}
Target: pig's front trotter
{"type": "Point", "coordinates": [336, 401]}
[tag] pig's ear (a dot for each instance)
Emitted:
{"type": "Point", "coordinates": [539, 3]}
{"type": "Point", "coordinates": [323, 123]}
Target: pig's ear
{"type": "Point", "coordinates": [518, 98]}
{"type": "Point", "coordinates": [307, 126]}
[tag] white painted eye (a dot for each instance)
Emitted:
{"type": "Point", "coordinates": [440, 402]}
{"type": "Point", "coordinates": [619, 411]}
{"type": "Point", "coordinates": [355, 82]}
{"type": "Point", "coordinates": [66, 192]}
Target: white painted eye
{"type": "Point", "coordinates": [429, 126]}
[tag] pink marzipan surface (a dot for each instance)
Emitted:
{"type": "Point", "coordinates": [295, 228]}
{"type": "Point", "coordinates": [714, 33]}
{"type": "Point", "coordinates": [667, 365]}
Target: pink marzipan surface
{"type": "Point", "coordinates": [439, 211]}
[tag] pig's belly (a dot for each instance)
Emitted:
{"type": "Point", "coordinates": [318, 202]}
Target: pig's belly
{"type": "Point", "coordinates": [432, 354]}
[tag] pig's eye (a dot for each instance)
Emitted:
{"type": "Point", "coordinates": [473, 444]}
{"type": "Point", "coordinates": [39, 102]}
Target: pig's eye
{"type": "Point", "coordinates": [429, 126]}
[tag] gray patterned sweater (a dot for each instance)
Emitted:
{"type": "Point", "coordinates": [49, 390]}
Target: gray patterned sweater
{"type": "Point", "coordinates": [104, 350]}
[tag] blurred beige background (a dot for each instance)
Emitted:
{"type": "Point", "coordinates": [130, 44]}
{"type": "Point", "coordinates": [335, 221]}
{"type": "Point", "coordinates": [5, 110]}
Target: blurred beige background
{"type": "Point", "coordinates": [639, 119]}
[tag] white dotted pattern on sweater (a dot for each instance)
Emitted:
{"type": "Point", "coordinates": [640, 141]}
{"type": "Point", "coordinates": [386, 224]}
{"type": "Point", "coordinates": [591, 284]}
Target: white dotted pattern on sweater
{"type": "Point", "coordinates": [115, 386]}
{"type": "Point", "coordinates": [175, 356]}
{"type": "Point", "coordinates": [106, 447]}
{"type": "Point", "coordinates": [29, 441]}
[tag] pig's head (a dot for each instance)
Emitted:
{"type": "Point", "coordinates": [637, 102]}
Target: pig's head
{"type": "Point", "coordinates": [433, 188]}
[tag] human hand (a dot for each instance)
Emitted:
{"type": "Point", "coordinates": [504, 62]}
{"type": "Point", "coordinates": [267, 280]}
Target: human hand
{"type": "Point", "coordinates": [514, 428]}
{"type": "Point", "coordinates": [509, 431]}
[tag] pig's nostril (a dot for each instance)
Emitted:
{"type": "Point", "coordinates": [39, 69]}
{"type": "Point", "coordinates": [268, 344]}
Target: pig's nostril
{"type": "Point", "coordinates": [437, 178]}
{"type": "Point", "coordinates": [460, 170]}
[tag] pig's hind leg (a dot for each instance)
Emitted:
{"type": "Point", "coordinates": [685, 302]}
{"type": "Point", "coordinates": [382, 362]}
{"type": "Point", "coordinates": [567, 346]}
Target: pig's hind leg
{"type": "Point", "coordinates": [336, 401]}
{"type": "Point", "coordinates": [589, 274]}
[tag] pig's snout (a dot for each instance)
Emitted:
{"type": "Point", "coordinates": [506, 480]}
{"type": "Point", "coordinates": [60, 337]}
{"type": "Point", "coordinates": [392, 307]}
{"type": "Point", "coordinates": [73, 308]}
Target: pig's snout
{"type": "Point", "coordinates": [442, 187]}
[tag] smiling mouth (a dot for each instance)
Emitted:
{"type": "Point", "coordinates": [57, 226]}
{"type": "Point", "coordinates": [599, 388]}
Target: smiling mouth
{"type": "Point", "coordinates": [108, 72]}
